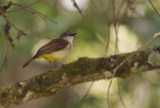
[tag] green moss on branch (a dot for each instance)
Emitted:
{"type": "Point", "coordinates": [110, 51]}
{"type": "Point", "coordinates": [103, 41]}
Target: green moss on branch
{"type": "Point", "coordinates": [83, 70]}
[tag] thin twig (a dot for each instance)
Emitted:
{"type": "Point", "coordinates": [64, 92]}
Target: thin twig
{"type": "Point", "coordinates": [9, 23]}
{"type": "Point", "coordinates": [154, 8]}
{"type": "Point", "coordinates": [2, 27]}
{"type": "Point", "coordinates": [115, 26]}
{"type": "Point", "coordinates": [47, 24]}
{"type": "Point", "coordinates": [94, 4]}
{"type": "Point", "coordinates": [4, 3]}
{"type": "Point", "coordinates": [105, 15]}
{"type": "Point", "coordinates": [87, 91]}
{"type": "Point", "coordinates": [108, 24]}
{"type": "Point", "coordinates": [7, 29]}
{"type": "Point", "coordinates": [144, 46]}
{"type": "Point", "coordinates": [5, 56]}
{"type": "Point", "coordinates": [108, 40]}
{"type": "Point", "coordinates": [34, 12]}
{"type": "Point", "coordinates": [119, 94]}
{"type": "Point", "coordinates": [22, 7]}
{"type": "Point", "coordinates": [130, 3]}
{"type": "Point", "coordinates": [5, 17]}
{"type": "Point", "coordinates": [125, 60]}
{"type": "Point", "coordinates": [77, 7]}
{"type": "Point", "coordinates": [125, 12]}
{"type": "Point", "coordinates": [119, 9]}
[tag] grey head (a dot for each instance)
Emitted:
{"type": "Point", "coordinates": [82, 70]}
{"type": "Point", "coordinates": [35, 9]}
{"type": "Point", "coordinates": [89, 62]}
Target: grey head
{"type": "Point", "coordinates": [67, 36]}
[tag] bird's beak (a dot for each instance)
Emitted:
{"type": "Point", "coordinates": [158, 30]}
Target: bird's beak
{"type": "Point", "coordinates": [73, 34]}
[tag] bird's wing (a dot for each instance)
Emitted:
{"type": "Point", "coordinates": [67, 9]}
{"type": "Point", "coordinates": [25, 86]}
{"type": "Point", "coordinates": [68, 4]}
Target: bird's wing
{"type": "Point", "coordinates": [52, 46]}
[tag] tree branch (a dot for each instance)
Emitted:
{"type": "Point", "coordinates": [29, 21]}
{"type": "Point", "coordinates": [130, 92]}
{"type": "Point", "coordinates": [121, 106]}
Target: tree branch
{"type": "Point", "coordinates": [82, 70]}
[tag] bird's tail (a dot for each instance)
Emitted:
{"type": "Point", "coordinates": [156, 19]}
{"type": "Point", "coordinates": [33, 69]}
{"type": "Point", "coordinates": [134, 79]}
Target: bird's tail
{"type": "Point", "coordinates": [26, 63]}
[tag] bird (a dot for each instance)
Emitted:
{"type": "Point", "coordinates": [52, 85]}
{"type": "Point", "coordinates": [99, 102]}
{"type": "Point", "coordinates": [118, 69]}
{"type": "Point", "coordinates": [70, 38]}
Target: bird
{"type": "Point", "coordinates": [55, 50]}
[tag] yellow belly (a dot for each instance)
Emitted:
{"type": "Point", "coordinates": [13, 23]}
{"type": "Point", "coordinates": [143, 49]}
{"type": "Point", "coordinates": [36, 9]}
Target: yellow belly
{"type": "Point", "coordinates": [57, 56]}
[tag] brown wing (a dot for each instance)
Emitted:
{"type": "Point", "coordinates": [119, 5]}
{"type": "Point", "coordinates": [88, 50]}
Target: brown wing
{"type": "Point", "coordinates": [52, 46]}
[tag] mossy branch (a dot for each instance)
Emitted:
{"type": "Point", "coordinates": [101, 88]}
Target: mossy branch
{"type": "Point", "coordinates": [82, 70]}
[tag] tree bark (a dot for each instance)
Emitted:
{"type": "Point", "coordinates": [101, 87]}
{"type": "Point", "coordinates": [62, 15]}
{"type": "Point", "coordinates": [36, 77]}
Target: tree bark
{"type": "Point", "coordinates": [83, 70]}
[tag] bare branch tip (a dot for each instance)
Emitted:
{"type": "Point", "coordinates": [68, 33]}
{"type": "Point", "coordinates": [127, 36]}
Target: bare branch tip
{"type": "Point", "coordinates": [157, 34]}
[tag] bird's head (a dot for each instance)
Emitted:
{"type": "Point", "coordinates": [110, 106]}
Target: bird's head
{"type": "Point", "coordinates": [68, 36]}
